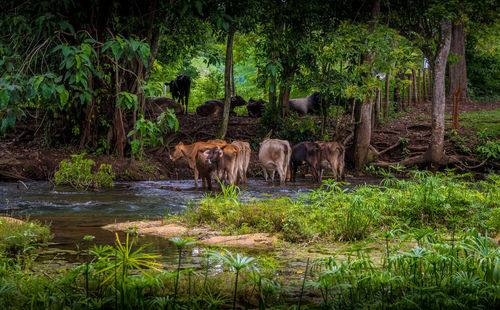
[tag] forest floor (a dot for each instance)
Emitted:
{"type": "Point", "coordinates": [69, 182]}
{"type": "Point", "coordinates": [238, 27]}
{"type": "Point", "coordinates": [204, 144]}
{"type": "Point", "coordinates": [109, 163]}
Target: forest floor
{"type": "Point", "coordinates": [24, 155]}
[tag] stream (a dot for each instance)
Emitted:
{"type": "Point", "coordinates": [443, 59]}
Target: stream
{"type": "Point", "coordinates": [74, 214]}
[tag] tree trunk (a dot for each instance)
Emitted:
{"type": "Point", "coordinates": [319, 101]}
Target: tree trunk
{"type": "Point", "coordinates": [119, 129]}
{"type": "Point", "coordinates": [424, 84]}
{"type": "Point", "coordinates": [227, 83]}
{"type": "Point", "coordinates": [232, 78]}
{"type": "Point", "coordinates": [403, 98]}
{"type": "Point", "coordinates": [435, 153]}
{"type": "Point", "coordinates": [458, 72]}
{"type": "Point", "coordinates": [376, 114]}
{"type": "Point", "coordinates": [284, 100]}
{"type": "Point", "coordinates": [419, 88]}
{"type": "Point", "coordinates": [386, 102]}
{"type": "Point", "coordinates": [363, 113]}
{"type": "Point", "coordinates": [89, 114]}
{"type": "Point", "coordinates": [410, 92]}
{"type": "Point", "coordinates": [429, 88]}
{"type": "Point", "coordinates": [362, 132]}
{"type": "Point", "coordinates": [415, 86]}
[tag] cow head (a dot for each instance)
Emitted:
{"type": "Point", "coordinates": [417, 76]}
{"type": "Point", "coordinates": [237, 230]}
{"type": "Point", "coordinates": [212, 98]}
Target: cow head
{"type": "Point", "coordinates": [214, 155]}
{"type": "Point", "coordinates": [178, 152]}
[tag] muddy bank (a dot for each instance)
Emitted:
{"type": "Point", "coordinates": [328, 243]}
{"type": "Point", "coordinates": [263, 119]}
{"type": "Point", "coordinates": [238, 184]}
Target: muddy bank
{"type": "Point", "coordinates": [24, 154]}
{"type": "Point", "coordinates": [201, 235]}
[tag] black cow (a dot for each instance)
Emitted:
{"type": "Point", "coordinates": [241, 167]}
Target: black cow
{"type": "Point", "coordinates": [255, 108]}
{"type": "Point", "coordinates": [309, 153]}
{"type": "Point", "coordinates": [215, 107]}
{"type": "Point", "coordinates": [307, 104]}
{"type": "Point", "coordinates": [180, 88]}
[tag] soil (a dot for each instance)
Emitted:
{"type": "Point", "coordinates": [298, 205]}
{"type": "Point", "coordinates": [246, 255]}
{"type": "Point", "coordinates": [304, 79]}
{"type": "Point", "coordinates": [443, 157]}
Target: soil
{"type": "Point", "coordinates": [200, 234]}
{"type": "Point", "coordinates": [24, 153]}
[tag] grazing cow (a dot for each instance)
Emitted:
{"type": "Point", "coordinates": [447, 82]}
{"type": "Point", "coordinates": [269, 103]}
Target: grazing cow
{"type": "Point", "coordinates": [160, 104]}
{"type": "Point", "coordinates": [225, 159]}
{"type": "Point", "coordinates": [243, 159]}
{"type": "Point", "coordinates": [307, 104]}
{"type": "Point", "coordinates": [309, 153]}
{"type": "Point", "coordinates": [189, 152]}
{"type": "Point", "coordinates": [180, 88]}
{"type": "Point", "coordinates": [332, 158]}
{"type": "Point", "coordinates": [275, 155]}
{"type": "Point", "coordinates": [255, 108]}
{"type": "Point", "coordinates": [215, 107]}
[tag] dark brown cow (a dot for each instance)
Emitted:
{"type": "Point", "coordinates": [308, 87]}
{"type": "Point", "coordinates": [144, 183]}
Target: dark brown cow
{"type": "Point", "coordinates": [205, 168]}
{"type": "Point", "coordinates": [215, 107]}
{"type": "Point", "coordinates": [225, 159]}
{"type": "Point", "coordinates": [332, 158]}
{"type": "Point", "coordinates": [157, 105]}
{"type": "Point", "coordinates": [309, 153]}
{"type": "Point", "coordinates": [255, 108]}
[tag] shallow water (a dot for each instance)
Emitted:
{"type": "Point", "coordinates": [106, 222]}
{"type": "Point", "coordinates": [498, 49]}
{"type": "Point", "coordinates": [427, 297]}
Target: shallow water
{"type": "Point", "coordinates": [74, 214]}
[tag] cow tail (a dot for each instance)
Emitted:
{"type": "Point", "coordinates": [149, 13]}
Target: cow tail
{"type": "Point", "coordinates": [288, 156]}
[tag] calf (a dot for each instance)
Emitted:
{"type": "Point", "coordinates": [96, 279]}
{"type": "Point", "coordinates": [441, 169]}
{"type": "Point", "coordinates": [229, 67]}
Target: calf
{"type": "Point", "coordinates": [275, 155]}
{"type": "Point", "coordinates": [225, 159]}
{"type": "Point", "coordinates": [189, 152]}
{"type": "Point", "coordinates": [332, 158]}
{"type": "Point", "coordinates": [306, 152]}
{"type": "Point", "coordinates": [243, 159]}
{"type": "Point", "coordinates": [204, 167]}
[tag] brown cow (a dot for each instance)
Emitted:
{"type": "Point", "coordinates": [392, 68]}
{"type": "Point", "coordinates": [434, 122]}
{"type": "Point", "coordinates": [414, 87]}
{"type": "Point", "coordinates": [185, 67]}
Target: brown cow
{"type": "Point", "coordinates": [204, 167]}
{"type": "Point", "coordinates": [309, 153]}
{"type": "Point", "coordinates": [275, 155]}
{"type": "Point", "coordinates": [332, 158]}
{"type": "Point", "coordinates": [243, 159]}
{"type": "Point", "coordinates": [189, 152]}
{"type": "Point", "coordinates": [225, 159]}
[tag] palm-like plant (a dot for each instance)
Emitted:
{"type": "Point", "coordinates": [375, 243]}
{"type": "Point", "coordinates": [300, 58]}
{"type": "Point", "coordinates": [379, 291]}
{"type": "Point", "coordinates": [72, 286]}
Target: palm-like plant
{"type": "Point", "coordinates": [180, 243]}
{"type": "Point", "coordinates": [127, 259]}
{"type": "Point", "coordinates": [238, 263]}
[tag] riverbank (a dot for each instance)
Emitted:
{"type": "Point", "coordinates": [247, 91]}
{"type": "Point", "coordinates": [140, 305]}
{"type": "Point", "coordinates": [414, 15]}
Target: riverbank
{"type": "Point", "coordinates": [25, 154]}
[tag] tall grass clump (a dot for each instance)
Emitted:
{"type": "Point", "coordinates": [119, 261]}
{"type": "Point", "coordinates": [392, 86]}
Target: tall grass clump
{"type": "Point", "coordinates": [21, 236]}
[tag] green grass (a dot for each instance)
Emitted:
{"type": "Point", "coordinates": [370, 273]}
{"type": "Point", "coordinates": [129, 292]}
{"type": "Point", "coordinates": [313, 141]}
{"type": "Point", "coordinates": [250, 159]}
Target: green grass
{"type": "Point", "coordinates": [20, 236]}
{"type": "Point", "coordinates": [487, 122]}
{"type": "Point", "coordinates": [437, 201]}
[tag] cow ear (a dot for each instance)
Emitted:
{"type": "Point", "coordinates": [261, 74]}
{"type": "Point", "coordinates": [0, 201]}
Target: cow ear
{"type": "Point", "coordinates": [206, 152]}
{"type": "Point", "coordinates": [180, 143]}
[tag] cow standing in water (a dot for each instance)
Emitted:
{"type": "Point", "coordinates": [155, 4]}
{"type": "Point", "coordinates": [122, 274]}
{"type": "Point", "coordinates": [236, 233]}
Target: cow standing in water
{"type": "Point", "coordinates": [180, 88]}
{"type": "Point", "coordinates": [309, 153]}
{"type": "Point", "coordinates": [275, 155]}
{"type": "Point", "coordinates": [332, 158]}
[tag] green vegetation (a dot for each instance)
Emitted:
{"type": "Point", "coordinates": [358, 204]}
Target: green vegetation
{"type": "Point", "coordinates": [78, 173]}
{"type": "Point", "coordinates": [439, 201]}
{"type": "Point", "coordinates": [21, 236]}
{"type": "Point", "coordinates": [420, 269]}
{"type": "Point", "coordinates": [485, 122]}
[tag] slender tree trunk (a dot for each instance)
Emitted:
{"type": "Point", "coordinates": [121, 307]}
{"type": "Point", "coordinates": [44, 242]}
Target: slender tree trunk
{"type": "Point", "coordinates": [456, 103]}
{"type": "Point", "coordinates": [435, 153]}
{"type": "Point", "coordinates": [232, 78]}
{"type": "Point", "coordinates": [118, 116]}
{"type": "Point", "coordinates": [419, 79]}
{"type": "Point", "coordinates": [376, 114]}
{"type": "Point", "coordinates": [89, 114]}
{"type": "Point", "coordinates": [429, 88]}
{"type": "Point", "coordinates": [363, 113]}
{"type": "Point", "coordinates": [227, 83]}
{"type": "Point", "coordinates": [403, 98]}
{"type": "Point", "coordinates": [386, 102]}
{"type": "Point", "coordinates": [284, 99]}
{"type": "Point", "coordinates": [415, 86]}
{"type": "Point", "coordinates": [458, 72]}
{"type": "Point", "coordinates": [424, 84]}
{"type": "Point", "coordinates": [410, 92]}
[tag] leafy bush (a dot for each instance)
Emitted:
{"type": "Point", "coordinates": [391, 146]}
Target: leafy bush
{"type": "Point", "coordinates": [78, 173]}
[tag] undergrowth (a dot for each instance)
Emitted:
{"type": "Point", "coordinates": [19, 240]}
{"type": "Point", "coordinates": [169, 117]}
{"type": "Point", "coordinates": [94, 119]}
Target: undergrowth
{"type": "Point", "coordinates": [334, 212]}
{"type": "Point", "coordinates": [78, 173]}
{"type": "Point", "coordinates": [21, 236]}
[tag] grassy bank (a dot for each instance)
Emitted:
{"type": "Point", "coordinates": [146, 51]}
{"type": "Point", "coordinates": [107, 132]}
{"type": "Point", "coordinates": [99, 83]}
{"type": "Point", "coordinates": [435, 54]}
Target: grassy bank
{"type": "Point", "coordinates": [17, 236]}
{"type": "Point", "coordinates": [444, 201]}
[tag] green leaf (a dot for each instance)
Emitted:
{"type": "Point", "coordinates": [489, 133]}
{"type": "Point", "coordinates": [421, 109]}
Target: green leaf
{"type": "Point", "coordinates": [63, 97]}
{"type": "Point", "coordinates": [198, 6]}
{"type": "Point", "coordinates": [38, 81]}
{"type": "Point", "coordinates": [4, 97]}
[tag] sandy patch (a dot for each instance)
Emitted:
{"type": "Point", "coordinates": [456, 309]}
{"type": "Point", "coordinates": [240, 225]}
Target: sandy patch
{"type": "Point", "coordinates": [200, 234]}
{"type": "Point", "coordinates": [10, 220]}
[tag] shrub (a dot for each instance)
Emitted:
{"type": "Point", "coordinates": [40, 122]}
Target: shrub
{"type": "Point", "coordinates": [78, 173]}
{"type": "Point", "coordinates": [16, 235]}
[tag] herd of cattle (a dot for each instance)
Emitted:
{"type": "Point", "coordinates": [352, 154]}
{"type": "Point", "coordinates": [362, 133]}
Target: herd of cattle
{"type": "Point", "coordinates": [180, 88]}
{"type": "Point", "coordinates": [229, 161]}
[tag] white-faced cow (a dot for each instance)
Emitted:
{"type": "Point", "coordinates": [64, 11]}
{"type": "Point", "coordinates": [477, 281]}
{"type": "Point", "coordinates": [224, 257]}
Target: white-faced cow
{"type": "Point", "coordinates": [275, 155]}
{"type": "Point", "coordinates": [225, 159]}
{"type": "Point", "coordinates": [180, 88]}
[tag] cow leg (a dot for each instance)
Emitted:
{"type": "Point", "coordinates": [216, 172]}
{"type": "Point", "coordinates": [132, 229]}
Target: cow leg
{"type": "Point", "coordinates": [294, 172]}
{"type": "Point", "coordinates": [272, 176]}
{"type": "Point", "coordinates": [196, 175]}
{"type": "Point", "coordinates": [204, 182]}
{"type": "Point", "coordinates": [282, 175]}
{"type": "Point", "coordinates": [209, 181]}
{"type": "Point", "coordinates": [264, 171]}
